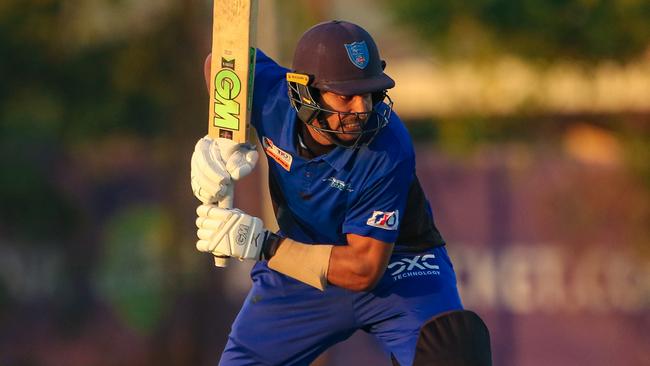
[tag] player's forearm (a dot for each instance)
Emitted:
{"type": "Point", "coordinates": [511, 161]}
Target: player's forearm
{"type": "Point", "coordinates": [357, 266]}
{"type": "Point", "coordinates": [356, 269]}
{"type": "Point", "coordinates": [232, 233]}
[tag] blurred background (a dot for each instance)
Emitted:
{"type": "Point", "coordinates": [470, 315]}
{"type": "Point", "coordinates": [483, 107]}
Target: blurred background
{"type": "Point", "coordinates": [531, 121]}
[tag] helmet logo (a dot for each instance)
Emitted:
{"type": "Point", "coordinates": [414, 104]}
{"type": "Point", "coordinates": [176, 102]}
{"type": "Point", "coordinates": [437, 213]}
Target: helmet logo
{"type": "Point", "coordinates": [358, 53]}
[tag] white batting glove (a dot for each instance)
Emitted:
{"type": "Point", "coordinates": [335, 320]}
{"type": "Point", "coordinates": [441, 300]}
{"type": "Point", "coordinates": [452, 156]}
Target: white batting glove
{"type": "Point", "coordinates": [240, 158]}
{"type": "Point", "coordinates": [215, 163]}
{"type": "Point", "coordinates": [233, 233]}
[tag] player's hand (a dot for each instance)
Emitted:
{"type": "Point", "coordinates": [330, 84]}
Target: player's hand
{"type": "Point", "coordinates": [215, 163]}
{"type": "Point", "coordinates": [240, 158]}
{"type": "Point", "coordinates": [233, 233]}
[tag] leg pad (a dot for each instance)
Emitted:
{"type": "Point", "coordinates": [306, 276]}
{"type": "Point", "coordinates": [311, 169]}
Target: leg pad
{"type": "Point", "coordinates": [455, 338]}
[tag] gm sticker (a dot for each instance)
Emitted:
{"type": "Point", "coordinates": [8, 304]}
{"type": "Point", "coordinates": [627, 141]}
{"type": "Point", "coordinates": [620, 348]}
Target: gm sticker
{"type": "Point", "coordinates": [384, 220]}
{"type": "Point", "coordinates": [280, 156]}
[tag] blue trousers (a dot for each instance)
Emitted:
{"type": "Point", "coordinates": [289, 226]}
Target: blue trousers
{"type": "Point", "coordinates": [285, 322]}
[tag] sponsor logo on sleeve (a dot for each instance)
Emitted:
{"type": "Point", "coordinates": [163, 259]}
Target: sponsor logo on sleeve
{"type": "Point", "coordinates": [280, 156]}
{"type": "Point", "coordinates": [384, 220]}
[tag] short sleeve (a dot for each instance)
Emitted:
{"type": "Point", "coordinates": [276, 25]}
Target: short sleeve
{"type": "Point", "coordinates": [378, 209]}
{"type": "Point", "coordinates": [268, 74]}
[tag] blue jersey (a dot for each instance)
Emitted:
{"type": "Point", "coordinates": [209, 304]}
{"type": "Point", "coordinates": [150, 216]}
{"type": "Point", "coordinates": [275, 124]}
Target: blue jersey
{"type": "Point", "coordinates": [370, 191]}
{"type": "Point", "coordinates": [361, 191]}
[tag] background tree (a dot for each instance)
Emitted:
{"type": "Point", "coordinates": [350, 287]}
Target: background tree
{"type": "Point", "coordinates": [585, 30]}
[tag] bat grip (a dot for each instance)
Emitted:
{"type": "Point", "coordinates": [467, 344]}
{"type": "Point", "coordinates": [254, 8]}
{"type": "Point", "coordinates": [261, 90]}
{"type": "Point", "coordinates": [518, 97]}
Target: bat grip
{"type": "Point", "coordinates": [227, 202]}
{"type": "Point", "coordinates": [221, 261]}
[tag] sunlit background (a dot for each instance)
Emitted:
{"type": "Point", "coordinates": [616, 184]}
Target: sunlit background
{"type": "Point", "coordinates": [531, 121]}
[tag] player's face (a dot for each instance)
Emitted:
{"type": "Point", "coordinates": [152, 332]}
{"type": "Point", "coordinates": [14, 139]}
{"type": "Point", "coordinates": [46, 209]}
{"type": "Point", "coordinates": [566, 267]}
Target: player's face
{"type": "Point", "coordinates": [348, 124]}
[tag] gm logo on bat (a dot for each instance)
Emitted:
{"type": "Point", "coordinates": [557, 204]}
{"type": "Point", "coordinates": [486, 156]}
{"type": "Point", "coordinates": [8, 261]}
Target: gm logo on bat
{"type": "Point", "coordinates": [227, 87]}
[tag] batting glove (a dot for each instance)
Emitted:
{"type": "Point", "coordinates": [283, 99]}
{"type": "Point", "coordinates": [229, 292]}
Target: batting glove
{"type": "Point", "coordinates": [233, 233]}
{"type": "Point", "coordinates": [215, 163]}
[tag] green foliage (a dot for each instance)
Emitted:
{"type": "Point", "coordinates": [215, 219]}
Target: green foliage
{"type": "Point", "coordinates": [132, 276]}
{"type": "Point", "coordinates": [462, 135]}
{"type": "Point", "coordinates": [32, 207]}
{"type": "Point", "coordinates": [99, 87]}
{"type": "Point", "coordinates": [62, 86]}
{"type": "Point", "coordinates": [581, 29]}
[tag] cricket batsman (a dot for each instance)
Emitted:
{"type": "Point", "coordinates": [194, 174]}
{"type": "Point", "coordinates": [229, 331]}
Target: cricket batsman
{"type": "Point", "coordinates": [357, 247]}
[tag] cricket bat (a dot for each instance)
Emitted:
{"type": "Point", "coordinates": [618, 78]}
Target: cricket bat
{"type": "Point", "coordinates": [231, 73]}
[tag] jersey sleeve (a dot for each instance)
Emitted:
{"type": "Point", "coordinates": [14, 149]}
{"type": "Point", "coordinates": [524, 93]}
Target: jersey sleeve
{"type": "Point", "coordinates": [378, 210]}
{"type": "Point", "coordinates": [268, 76]}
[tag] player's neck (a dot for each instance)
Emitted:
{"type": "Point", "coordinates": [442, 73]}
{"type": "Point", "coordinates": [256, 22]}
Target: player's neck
{"type": "Point", "coordinates": [311, 143]}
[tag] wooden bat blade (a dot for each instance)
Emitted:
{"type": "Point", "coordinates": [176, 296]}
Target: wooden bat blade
{"type": "Point", "coordinates": [232, 71]}
{"type": "Point", "coordinates": [232, 68]}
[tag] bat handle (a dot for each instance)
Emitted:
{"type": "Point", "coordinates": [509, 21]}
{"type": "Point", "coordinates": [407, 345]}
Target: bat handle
{"type": "Point", "coordinates": [227, 202]}
{"type": "Point", "coordinates": [221, 261]}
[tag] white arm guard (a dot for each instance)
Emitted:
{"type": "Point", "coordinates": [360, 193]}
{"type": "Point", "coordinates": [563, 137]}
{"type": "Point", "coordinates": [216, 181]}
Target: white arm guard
{"type": "Point", "coordinates": [215, 163]}
{"type": "Point", "coordinates": [229, 232]}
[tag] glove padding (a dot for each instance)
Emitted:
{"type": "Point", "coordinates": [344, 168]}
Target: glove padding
{"type": "Point", "coordinates": [230, 232]}
{"type": "Point", "coordinates": [215, 163]}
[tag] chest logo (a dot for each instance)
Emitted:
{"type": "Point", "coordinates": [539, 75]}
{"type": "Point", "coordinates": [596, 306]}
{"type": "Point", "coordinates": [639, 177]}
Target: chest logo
{"type": "Point", "coordinates": [280, 156]}
{"type": "Point", "coordinates": [339, 184]}
{"type": "Point", "coordinates": [384, 220]}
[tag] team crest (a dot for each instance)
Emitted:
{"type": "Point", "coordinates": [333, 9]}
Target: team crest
{"type": "Point", "coordinates": [358, 53]}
